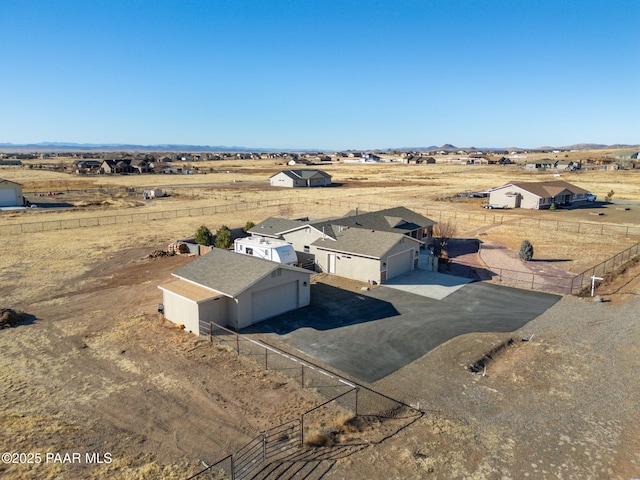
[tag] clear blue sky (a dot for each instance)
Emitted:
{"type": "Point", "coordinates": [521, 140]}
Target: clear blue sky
{"type": "Point", "coordinates": [328, 74]}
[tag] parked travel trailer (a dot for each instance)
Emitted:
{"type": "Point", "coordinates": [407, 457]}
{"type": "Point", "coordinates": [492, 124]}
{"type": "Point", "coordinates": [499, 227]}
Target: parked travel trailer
{"type": "Point", "coordinates": [274, 250]}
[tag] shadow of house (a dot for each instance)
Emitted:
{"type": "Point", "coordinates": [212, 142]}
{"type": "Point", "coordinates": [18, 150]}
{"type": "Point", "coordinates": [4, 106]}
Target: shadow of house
{"type": "Point", "coordinates": [464, 260]}
{"type": "Point", "coordinates": [330, 308]}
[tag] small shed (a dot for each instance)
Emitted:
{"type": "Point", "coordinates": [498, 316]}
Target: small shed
{"type": "Point", "coordinates": [233, 290]}
{"type": "Point", "coordinates": [10, 194]}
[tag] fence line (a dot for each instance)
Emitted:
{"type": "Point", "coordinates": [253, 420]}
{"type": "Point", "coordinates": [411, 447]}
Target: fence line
{"type": "Point", "coordinates": [73, 223]}
{"type": "Point", "coordinates": [435, 213]}
{"type": "Point", "coordinates": [278, 442]}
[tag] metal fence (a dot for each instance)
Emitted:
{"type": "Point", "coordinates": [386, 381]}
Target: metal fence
{"type": "Point", "coordinates": [567, 284]}
{"type": "Point", "coordinates": [610, 265]}
{"type": "Point", "coordinates": [82, 222]}
{"type": "Point", "coordinates": [345, 401]}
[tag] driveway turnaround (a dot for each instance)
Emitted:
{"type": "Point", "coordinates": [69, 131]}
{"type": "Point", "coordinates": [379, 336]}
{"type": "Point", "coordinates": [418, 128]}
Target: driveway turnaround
{"type": "Point", "coordinates": [371, 334]}
{"type": "Point", "coordinates": [428, 284]}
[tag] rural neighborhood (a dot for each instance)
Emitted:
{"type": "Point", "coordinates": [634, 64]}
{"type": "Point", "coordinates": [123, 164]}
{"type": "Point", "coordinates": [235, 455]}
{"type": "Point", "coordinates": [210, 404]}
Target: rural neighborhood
{"type": "Point", "coordinates": [302, 314]}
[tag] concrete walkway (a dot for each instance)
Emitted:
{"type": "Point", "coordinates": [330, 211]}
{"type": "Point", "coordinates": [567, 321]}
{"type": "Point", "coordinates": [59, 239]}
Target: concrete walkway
{"type": "Point", "coordinates": [427, 284]}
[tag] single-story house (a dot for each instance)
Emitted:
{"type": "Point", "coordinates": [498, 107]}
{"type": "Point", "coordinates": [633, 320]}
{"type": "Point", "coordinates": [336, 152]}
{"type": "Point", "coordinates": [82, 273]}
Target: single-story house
{"type": "Point", "coordinates": [116, 166]}
{"type": "Point", "coordinates": [10, 194]}
{"type": "Point", "coordinates": [300, 178]}
{"type": "Point", "coordinates": [326, 243]}
{"type": "Point", "coordinates": [537, 195]}
{"type": "Point", "coordinates": [234, 290]}
{"type": "Point", "coordinates": [366, 255]}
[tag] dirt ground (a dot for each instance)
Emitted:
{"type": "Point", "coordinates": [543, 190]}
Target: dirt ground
{"type": "Point", "coordinates": [94, 368]}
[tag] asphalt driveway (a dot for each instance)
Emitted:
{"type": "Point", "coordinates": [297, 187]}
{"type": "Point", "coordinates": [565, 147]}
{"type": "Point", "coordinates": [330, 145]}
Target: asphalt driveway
{"type": "Point", "coordinates": [369, 335]}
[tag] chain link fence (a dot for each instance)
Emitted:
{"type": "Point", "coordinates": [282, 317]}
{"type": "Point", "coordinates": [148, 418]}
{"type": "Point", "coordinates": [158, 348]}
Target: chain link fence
{"type": "Point", "coordinates": [348, 408]}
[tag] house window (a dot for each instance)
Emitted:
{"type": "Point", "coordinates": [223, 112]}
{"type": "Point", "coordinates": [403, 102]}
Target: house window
{"type": "Point", "coordinates": [249, 251]}
{"type": "Point", "coordinates": [276, 273]}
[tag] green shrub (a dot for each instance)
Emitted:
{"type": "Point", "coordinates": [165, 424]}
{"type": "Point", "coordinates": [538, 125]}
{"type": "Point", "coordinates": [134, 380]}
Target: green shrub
{"type": "Point", "coordinates": [203, 236]}
{"type": "Point", "coordinates": [526, 251]}
{"type": "Point", "coordinates": [224, 239]}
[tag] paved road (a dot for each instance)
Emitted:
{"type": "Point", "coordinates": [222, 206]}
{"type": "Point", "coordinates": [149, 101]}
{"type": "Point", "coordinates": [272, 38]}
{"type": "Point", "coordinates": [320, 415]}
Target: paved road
{"type": "Point", "coordinates": [371, 334]}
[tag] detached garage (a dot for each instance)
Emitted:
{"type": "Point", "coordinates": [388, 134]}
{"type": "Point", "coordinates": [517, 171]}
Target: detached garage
{"type": "Point", "coordinates": [10, 194]}
{"type": "Point", "coordinates": [232, 290]}
{"type": "Point", "coordinates": [366, 255]}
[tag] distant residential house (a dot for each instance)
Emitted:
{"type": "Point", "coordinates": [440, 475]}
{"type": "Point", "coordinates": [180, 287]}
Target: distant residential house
{"type": "Point", "coordinates": [116, 166]}
{"type": "Point", "coordinates": [141, 166]}
{"type": "Point", "coordinates": [300, 178]}
{"type": "Point", "coordinates": [11, 194]}
{"type": "Point", "coordinates": [537, 195]}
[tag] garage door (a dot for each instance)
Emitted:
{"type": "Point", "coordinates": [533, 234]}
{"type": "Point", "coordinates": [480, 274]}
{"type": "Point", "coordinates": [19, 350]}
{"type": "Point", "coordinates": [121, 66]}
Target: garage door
{"type": "Point", "coordinates": [7, 197]}
{"type": "Point", "coordinates": [399, 263]}
{"type": "Point", "coordinates": [274, 301]}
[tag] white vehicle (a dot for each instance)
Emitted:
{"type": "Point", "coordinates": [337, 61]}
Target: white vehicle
{"type": "Point", "coordinates": [269, 249]}
{"type": "Point", "coordinates": [591, 197]}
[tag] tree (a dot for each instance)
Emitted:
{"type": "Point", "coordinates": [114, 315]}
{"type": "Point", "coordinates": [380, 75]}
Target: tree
{"type": "Point", "coordinates": [203, 236]}
{"type": "Point", "coordinates": [609, 196]}
{"type": "Point", "coordinates": [248, 226]}
{"type": "Point", "coordinates": [442, 233]}
{"type": "Point", "coordinates": [552, 207]}
{"type": "Point", "coordinates": [526, 251]}
{"type": "Point", "coordinates": [224, 238]}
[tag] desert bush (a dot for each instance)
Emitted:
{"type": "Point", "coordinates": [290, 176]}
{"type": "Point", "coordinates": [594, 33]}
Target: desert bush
{"type": "Point", "coordinates": [526, 251]}
{"type": "Point", "coordinates": [318, 439]}
{"type": "Point", "coordinates": [248, 226]}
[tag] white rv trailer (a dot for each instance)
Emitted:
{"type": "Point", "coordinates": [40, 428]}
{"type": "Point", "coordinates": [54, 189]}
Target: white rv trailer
{"type": "Point", "coordinates": [269, 249]}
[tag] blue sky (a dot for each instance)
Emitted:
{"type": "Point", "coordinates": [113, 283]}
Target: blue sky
{"type": "Point", "coordinates": [330, 74]}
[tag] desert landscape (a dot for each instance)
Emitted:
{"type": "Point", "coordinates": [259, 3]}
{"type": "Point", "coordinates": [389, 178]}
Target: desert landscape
{"type": "Point", "coordinates": [89, 366]}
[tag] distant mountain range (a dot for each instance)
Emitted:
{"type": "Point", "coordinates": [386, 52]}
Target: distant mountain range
{"type": "Point", "coordinates": [80, 147]}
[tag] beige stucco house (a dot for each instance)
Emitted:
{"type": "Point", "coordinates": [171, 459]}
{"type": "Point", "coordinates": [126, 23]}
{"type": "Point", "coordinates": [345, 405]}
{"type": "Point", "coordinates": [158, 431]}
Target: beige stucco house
{"type": "Point", "coordinates": [233, 290]}
{"type": "Point", "coordinates": [537, 195]}
{"type": "Point", "coordinates": [371, 247]}
{"type": "Point", "coordinates": [300, 178]}
{"type": "Point", "coordinates": [10, 194]}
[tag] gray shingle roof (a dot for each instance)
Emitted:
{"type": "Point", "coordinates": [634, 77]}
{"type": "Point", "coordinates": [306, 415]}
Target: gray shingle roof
{"type": "Point", "coordinates": [304, 174]}
{"type": "Point", "coordinates": [548, 189]}
{"type": "Point", "coordinates": [360, 241]}
{"type": "Point", "coordinates": [396, 219]}
{"type": "Point", "coordinates": [228, 272]}
{"type": "Point", "coordinates": [274, 226]}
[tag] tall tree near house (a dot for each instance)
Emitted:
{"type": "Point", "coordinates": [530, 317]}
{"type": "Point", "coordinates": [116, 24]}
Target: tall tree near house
{"type": "Point", "coordinates": [203, 236]}
{"type": "Point", "coordinates": [224, 239]}
{"type": "Point", "coordinates": [443, 232]}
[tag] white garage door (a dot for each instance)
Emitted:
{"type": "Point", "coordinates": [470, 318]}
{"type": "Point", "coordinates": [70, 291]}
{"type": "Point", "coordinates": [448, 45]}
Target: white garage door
{"type": "Point", "coordinates": [7, 197]}
{"type": "Point", "coordinates": [274, 301]}
{"type": "Point", "coordinates": [399, 263]}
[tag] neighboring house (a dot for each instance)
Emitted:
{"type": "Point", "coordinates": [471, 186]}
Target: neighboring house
{"type": "Point", "coordinates": [537, 195]}
{"type": "Point", "coordinates": [116, 166]}
{"type": "Point", "coordinates": [141, 166]}
{"type": "Point", "coordinates": [366, 240]}
{"type": "Point", "coordinates": [234, 290]}
{"type": "Point", "coordinates": [10, 194]}
{"type": "Point", "coordinates": [300, 178]}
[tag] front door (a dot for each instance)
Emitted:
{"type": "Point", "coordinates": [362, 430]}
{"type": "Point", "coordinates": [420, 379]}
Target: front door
{"type": "Point", "coordinates": [331, 262]}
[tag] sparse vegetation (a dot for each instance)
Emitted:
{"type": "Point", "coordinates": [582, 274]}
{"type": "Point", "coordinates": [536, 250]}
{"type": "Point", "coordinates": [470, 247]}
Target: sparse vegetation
{"type": "Point", "coordinates": [248, 226]}
{"type": "Point", "coordinates": [526, 251]}
{"type": "Point", "coordinates": [609, 196]}
{"type": "Point", "coordinates": [203, 236]}
{"type": "Point", "coordinates": [443, 231]}
{"type": "Point", "coordinates": [224, 239]}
